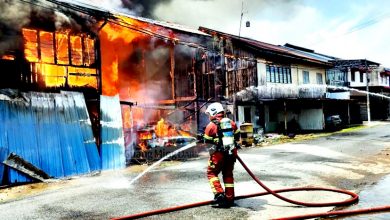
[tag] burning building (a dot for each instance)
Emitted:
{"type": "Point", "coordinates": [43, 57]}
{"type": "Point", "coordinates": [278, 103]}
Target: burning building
{"type": "Point", "coordinates": [154, 75]}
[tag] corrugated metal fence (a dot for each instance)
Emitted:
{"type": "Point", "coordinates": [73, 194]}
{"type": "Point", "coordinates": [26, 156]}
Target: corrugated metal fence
{"type": "Point", "coordinates": [51, 131]}
{"type": "Point", "coordinates": [112, 149]}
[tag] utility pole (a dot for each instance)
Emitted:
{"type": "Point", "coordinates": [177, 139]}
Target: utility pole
{"type": "Point", "coordinates": [368, 95]}
{"type": "Point", "coordinates": [242, 14]}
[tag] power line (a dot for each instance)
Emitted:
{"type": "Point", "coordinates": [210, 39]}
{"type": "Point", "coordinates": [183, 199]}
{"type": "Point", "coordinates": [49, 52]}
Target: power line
{"type": "Point", "coordinates": [358, 27]}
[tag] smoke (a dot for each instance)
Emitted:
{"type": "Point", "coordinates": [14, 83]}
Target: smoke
{"type": "Point", "coordinates": [16, 14]}
{"type": "Point", "coordinates": [143, 8]}
{"type": "Point", "coordinates": [13, 16]}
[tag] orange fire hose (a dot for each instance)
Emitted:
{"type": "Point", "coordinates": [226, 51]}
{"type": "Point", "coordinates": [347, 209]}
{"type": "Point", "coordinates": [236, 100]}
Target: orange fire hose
{"type": "Point", "coordinates": [354, 198]}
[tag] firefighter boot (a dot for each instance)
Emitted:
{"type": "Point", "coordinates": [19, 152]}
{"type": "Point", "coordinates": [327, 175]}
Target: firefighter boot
{"type": "Point", "coordinates": [219, 200]}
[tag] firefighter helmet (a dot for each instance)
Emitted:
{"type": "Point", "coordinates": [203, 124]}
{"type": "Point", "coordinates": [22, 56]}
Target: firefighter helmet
{"type": "Point", "coordinates": [214, 108]}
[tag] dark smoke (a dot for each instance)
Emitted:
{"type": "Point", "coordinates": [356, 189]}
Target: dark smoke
{"type": "Point", "coordinates": [13, 16]}
{"type": "Point", "coordinates": [143, 8]}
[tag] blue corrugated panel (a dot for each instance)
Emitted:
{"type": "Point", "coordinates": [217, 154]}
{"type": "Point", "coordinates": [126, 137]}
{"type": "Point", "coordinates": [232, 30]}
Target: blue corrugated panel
{"type": "Point", "coordinates": [21, 137]}
{"type": "Point", "coordinates": [86, 130]}
{"type": "Point", "coordinates": [48, 137]}
{"type": "Point", "coordinates": [47, 131]}
{"type": "Point", "coordinates": [112, 149]}
{"type": "Point", "coordinates": [3, 156]}
{"type": "Point", "coordinates": [3, 140]}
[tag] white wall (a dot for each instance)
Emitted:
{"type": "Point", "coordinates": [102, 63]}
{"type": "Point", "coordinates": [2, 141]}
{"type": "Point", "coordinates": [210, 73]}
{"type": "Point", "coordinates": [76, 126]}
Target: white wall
{"type": "Point", "coordinates": [357, 79]}
{"type": "Point", "coordinates": [241, 116]}
{"type": "Point", "coordinates": [298, 73]}
{"type": "Point", "coordinates": [338, 95]}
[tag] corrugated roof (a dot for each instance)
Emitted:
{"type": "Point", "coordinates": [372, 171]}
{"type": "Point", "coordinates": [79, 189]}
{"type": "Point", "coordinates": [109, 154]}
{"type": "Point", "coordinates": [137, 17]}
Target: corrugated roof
{"type": "Point", "coordinates": [310, 53]}
{"type": "Point", "coordinates": [169, 25]}
{"type": "Point", "coordinates": [268, 47]}
{"type": "Point", "coordinates": [49, 131]}
{"type": "Point", "coordinates": [113, 13]}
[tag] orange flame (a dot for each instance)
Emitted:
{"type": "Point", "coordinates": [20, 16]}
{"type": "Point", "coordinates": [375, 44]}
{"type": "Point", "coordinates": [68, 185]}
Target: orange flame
{"type": "Point", "coordinates": [143, 146]}
{"type": "Point", "coordinates": [31, 45]}
{"type": "Point", "coordinates": [161, 128]}
{"type": "Point", "coordinates": [8, 57]}
{"type": "Point", "coordinates": [62, 48]}
{"type": "Point", "coordinates": [57, 49]}
{"type": "Point", "coordinates": [115, 49]}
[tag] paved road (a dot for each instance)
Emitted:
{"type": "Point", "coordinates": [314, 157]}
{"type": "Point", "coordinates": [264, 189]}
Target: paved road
{"type": "Point", "coordinates": [350, 161]}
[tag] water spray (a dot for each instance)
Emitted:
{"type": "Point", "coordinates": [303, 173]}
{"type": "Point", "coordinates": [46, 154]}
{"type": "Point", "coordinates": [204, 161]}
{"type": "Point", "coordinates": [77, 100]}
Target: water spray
{"type": "Point", "coordinates": [188, 146]}
{"type": "Point", "coordinates": [353, 199]}
{"type": "Point", "coordinates": [357, 90]}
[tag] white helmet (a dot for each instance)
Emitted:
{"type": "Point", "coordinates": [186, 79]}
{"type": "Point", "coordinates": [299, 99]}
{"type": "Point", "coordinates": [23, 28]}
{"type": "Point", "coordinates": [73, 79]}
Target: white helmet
{"type": "Point", "coordinates": [214, 108]}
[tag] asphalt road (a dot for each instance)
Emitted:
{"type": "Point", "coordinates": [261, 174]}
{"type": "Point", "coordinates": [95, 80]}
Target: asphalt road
{"type": "Point", "coordinates": [349, 160]}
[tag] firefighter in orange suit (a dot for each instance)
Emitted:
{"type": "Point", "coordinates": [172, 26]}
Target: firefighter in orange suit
{"type": "Point", "coordinates": [223, 134]}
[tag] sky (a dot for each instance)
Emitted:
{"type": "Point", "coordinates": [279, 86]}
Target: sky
{"type": "Point", "coordinates": [348, 29]}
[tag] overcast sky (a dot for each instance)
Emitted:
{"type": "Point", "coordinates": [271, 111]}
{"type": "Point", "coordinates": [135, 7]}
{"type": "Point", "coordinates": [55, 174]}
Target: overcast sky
{"type": "Point", "coordinates": [348, 29]}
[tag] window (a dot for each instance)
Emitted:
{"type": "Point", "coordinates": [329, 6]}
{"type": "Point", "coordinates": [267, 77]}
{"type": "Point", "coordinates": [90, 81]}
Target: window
{"type": "Point", "coordinates": [58, 48]}
{"type": "Point", "coordinates": [62, 54]}
{"type": "Point", "coordinates": [268, 72]}
{"type": "Point", "coordinates": [319, 78]}
{"type": "Point", "coordinates": [278, 74]}
{"type": "Point", "coordinates": [306, 79]}
{"type": "Point", "coordinates": [272, 69]}
{"type": "Point", "coordinates": [353, 76]}
{"type": "Point", "coordinates": [247, 114]}
{"type": "Point", "coordinates": [47, 46]}
{"type": "Point", "coordinates": [50, 51]}
{"type": "Point", "coordinates": [288, 76]}
{"type": "Point", "coordinates": [31, 45]}
{"type": "Point", "coordinates": [361, 77]}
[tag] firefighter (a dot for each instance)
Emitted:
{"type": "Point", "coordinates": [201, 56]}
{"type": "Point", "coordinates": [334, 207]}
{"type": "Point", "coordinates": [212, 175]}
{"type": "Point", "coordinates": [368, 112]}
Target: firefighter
{"type": "Point", "coordinates": [223, 135]}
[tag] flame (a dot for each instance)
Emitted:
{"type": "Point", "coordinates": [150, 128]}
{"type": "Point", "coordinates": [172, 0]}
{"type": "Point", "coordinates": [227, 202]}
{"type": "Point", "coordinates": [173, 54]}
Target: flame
{"type": "Point", "coordinates": [76, 50]}
{"type": "Point", "coordinates": [56, 50]}
{"type": "Point", "coordinates": [161, 128]}
{"type": "Point", "coordinates": [145, 135]}
{"type": "Point", "coordinates": [89, 50]}
{"type": "Point", "coordinates": [116, 47]}
{"type": "Point", "coordinates": [62, 48]}
{"type": "Point", "coordinates": [8, 57]}
{"type": "Point", "coordinates": [47, 47]}
{"type": "Point", "coordinates": [31, 45]}
{"type": "Point", "coordinates": [143, 146]}
{"type": "Point", "coordinates": [126, 117]}
{"type": "Point", "coordinates": [52, 75]}
{"type": "Point", "coordinates": [85, 77]}
{"type": "Point", "coordinates": [164, 129]}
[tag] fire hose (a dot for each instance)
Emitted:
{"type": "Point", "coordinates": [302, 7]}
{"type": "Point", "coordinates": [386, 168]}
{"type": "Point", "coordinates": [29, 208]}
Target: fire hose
{"type": "Point", "coordinates": [354, 198]}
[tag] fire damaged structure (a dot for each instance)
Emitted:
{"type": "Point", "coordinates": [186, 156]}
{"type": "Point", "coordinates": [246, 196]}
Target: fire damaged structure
{"type": "Point", "coordinates": [362, 76]}
{"type": "Point", "coordinates": [92, 88]}
{"type": "Point", "coordinates": [97, 90]}
{"type": "Point", "coordinates": [275, 88]}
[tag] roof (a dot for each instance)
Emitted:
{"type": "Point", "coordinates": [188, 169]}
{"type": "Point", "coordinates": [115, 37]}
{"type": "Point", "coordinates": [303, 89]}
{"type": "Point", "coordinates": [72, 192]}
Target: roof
{"type": "Point", "coordinates": [356, 63]}
{"type": "Point", "coordinates": [386, 71]}
{"type": "Point", "coordinates": [310, 53]}
{"type": "Point", "coordinates": [170, 25]}
{"type": "Point", "coordinates": [269, 47]}
{"type": "Point", "coordinates": [85, 7]}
